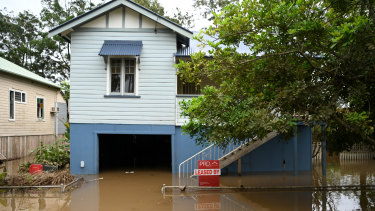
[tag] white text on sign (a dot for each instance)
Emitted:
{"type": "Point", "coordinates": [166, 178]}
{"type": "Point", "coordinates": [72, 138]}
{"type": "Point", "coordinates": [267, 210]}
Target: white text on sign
{"type": "Point", "coordinates": [206, 172]}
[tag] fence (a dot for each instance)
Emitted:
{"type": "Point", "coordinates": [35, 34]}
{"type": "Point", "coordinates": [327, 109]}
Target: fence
{"type": "Point", "coordinates": [357, 152]}
{"type": "Point", "coordinates": [14, 147]}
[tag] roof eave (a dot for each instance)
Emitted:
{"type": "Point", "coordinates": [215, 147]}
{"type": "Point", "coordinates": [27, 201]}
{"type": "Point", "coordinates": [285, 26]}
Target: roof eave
{"type": "Point", "coordinates": [23, 76]}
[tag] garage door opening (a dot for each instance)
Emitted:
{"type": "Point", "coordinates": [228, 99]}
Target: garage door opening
{"type": "Point", "coordinates": [134, 152]}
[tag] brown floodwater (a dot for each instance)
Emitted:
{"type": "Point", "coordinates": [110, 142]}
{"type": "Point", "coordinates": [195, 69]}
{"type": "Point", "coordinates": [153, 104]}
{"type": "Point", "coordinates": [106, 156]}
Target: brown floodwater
{"type": "Point", "coordinates": [141, 190]}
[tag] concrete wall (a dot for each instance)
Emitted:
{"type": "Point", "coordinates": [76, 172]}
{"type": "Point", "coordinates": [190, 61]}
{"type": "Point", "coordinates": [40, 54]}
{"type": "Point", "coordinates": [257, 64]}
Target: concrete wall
{"type": "Point", "coordinates": [84, 147]}
{"type": "Point", "coordinates": [84, 144]}
{"type": "Point", "coordinates": [270, 156]}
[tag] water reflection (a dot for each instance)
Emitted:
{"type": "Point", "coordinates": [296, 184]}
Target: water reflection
{"type": "Point", "coordinates": [141, 191]}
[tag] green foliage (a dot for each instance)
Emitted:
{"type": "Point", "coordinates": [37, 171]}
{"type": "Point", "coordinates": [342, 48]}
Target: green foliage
{"type": "Point", "coordinates": [183, 19]}
{"type": "Point", "coordinates": [2, 178]}
{"type": "Point", "coordinates": [65, 88]}
{"type": "Point", "coordinates": [212, 6]}
{"type": "Point", "coordinates": [24, 167]}
{"type": "Point", "coordinates": [57, 154]}
{"type": "Point", "coordinates": [310, 61]}
{"type": "Point", "coordinates": [25, 42]}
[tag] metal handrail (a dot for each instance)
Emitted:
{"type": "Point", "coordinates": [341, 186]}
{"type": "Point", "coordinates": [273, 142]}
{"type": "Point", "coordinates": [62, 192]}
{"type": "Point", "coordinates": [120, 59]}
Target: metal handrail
{"type": "Point", "coordinates": [215, 153]}
{"type": "Point", "coordinates": [187, 160]}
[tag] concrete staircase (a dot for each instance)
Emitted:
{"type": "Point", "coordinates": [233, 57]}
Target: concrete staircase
{"type": "Point", "coordinates": [226, 156]}
{"type": "Point", "coordinates": [243, 149]}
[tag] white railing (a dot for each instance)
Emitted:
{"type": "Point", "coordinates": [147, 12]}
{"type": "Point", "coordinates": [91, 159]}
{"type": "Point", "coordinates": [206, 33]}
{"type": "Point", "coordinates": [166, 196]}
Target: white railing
{"type": "Point", "coordinates": [186, 168]}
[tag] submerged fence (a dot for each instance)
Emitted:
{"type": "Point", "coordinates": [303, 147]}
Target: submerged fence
{"type": "Point", "coordinates": [357, 152]}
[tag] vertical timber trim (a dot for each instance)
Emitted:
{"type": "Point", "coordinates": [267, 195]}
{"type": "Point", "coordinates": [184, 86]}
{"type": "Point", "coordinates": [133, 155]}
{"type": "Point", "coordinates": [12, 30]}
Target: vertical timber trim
{"type": "Point", "coordinates": [123, 17]}
{"type": "Point", "coordinates": [140, 21]}
{"type": "Point", "coordinates": [107, 20]}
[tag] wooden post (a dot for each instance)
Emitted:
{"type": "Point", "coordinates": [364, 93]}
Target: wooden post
{"type": "Point", "coordinates": [295, 149]}
{"type": "Point", "coordinates": [239, 165]}
{"type": "Point", "coordinates": [324, 159]}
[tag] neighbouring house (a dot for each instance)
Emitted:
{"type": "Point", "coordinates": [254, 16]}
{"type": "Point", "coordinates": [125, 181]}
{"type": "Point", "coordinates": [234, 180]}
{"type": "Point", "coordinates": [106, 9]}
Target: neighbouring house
{"type": "Point", "coordinates": [32, 111]}
{"type": "Point", "coordinates": [124, 109]}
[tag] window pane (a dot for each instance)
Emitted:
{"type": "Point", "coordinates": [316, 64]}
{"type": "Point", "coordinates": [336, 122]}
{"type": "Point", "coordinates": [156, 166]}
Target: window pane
{"type": "Point", "coordinates": [129, 65]}
{"type": "Point", "coordinates": [116, 66]}
{"type": "Point", "coordinates": [40, 108]}
{"type": "Point", "coordinates": [116, 75]}
{"type": "Point", "coordinates": [17, 96]}
{"type": "Point", "coordinates": [115, 83]}
{"type": "Point", "coordinates": [129, 83]}
{"type": "Point", "coordinates": [11, 105]}
{"type": "Point", "coordinates": [23, 97]}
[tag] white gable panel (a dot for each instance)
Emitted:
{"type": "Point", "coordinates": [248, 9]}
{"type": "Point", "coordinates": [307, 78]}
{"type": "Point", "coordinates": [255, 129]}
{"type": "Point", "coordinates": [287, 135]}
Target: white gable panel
{"type": "Point", "coordinates": [115, 18]}
{"type": "Point", "coordinates": [159, 26]}
{"type": "Point", "coordinates": [147, 23]}
{"type": "Point", "coordinates": [131, 18]}
{"type": "Point", "coordinates": [96, 23]}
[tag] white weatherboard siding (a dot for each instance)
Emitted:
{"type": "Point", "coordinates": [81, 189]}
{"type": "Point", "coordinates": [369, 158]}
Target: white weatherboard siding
{"type": "Point", "coordinates": [156, 85]}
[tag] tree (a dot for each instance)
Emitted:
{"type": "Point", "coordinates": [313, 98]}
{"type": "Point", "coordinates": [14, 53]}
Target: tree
{"type": "Point", "coordinates": [211, 7]}
{"type": "Point", "coordinates": [25, 42]}
{"type": "Point", "coordinates": [183, 19]}
{"type": "Point", "coordinates": [311, 61]}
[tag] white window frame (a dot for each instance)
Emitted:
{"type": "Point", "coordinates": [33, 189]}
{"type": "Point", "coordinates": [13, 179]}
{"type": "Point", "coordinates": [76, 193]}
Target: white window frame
{"type": "Point", "coordinates": [21, 92]}
{"type": "Point", "coordinates": [122, 77]}
{"type": "Point", "coordinates": [14, 105]}
{"type": "Point", "coordinates": [44, 109]}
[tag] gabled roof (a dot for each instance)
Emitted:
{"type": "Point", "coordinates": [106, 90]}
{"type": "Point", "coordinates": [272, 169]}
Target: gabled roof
{"type": "Point", "coordinates": [113, 4]}
{"type": "Point", "coordinates": [11, 68]}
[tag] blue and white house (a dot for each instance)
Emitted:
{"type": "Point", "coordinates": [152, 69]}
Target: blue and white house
{"type": "Point", "coordinates": [125, 93]}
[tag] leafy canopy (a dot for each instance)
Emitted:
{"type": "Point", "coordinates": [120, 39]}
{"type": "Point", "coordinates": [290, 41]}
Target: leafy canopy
{"type": "Point", "coordinates": [310, 61]}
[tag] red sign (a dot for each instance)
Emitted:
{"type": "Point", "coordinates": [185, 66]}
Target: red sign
{"type": "Point", "coordinates": [206, 172]}
{"type": "Point", "coordinates": [209, 171]}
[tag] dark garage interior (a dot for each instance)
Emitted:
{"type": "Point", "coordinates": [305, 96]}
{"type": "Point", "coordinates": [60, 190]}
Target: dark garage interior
{"type": "Point", "coordinates": [134, 152]}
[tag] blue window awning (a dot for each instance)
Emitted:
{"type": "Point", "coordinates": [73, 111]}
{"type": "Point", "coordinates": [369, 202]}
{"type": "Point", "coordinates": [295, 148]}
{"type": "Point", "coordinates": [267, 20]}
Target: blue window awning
{"type": "Point", "coordinates": [121, 48]}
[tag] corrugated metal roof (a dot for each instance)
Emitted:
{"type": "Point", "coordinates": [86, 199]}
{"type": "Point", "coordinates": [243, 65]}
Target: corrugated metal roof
{"type": "Point", "coordinates": [14, 69]}
{"type": "Point", "coordinates": [121, 48]}
{"type": "Point", "coordinates": [195, 46]}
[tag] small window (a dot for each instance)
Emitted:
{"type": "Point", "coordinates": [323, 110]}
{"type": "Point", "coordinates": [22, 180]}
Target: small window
{"type": "Point", "coordinates": [19, 97]}
{"type": "Point", "coordinates": [11, 105]}
{"type": "Point", "coordinates": [23, 97]}
{"type": "Point", "coordinates": [40, 108]}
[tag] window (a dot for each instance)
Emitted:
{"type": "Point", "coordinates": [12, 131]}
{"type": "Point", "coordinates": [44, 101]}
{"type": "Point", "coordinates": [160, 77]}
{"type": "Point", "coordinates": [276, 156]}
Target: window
{"type": "Point", "coordinates": [20, 97]}
{"type": "Point", "coordinates": [11, 105]}
{"type": "Point", "coordinates": [40, 108]}
{"type": "Point", "coordinates": [123, 76]}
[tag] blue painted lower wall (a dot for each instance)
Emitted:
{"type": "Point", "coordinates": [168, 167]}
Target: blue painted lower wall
{"type": "Point", "coordinates": [271, 156]}
{"type": "Point", "coordinates": [84, 146]}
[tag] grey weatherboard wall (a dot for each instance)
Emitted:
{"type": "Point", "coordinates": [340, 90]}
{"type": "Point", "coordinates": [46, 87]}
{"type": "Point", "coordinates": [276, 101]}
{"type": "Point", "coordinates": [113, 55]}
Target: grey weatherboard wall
{"type": "Point", "coordinates": [62, 117]}
{"type": "Point", "coordinates": [156, 85]}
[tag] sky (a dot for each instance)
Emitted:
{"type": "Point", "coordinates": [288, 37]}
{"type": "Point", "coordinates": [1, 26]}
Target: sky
{"type": "Point", "coordinates": [185, 5]}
